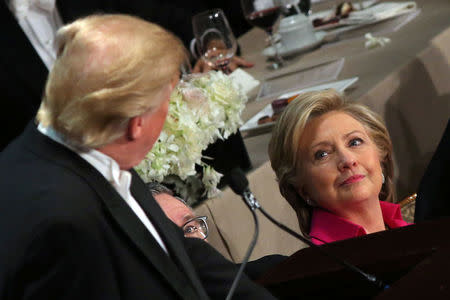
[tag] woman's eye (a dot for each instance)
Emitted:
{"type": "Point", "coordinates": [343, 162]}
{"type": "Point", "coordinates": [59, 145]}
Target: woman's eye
{"type": "Point", "coordinates": [319, 155]}
{"type": "Point", "coordinates": [355, 142]}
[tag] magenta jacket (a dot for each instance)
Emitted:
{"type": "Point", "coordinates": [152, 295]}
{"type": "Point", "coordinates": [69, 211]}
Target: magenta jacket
{"type": "Point", "coordinates": [327, 227]}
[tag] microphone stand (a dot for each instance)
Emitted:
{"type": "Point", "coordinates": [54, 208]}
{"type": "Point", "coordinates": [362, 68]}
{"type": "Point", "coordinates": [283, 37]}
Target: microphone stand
{"type": "Point", "coordinates": [253, 205]}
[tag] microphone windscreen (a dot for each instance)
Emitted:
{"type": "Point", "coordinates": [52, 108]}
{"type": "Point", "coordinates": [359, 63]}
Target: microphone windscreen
{"type": "Point", "coordinates": [237, 181]}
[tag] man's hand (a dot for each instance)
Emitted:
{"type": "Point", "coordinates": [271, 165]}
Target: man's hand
{"type": "Point", "coordinates": [201, 66]}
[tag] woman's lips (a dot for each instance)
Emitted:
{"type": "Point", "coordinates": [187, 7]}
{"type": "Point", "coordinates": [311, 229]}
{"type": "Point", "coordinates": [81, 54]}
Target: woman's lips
{"type": "Point", "coordinates": [353, 179]}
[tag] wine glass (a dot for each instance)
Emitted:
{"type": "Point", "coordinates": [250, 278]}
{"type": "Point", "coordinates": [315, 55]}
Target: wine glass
{"type": "Point", "coordinates": [214, 39]}
{"type": "Point", "coordinates": [264, 14]}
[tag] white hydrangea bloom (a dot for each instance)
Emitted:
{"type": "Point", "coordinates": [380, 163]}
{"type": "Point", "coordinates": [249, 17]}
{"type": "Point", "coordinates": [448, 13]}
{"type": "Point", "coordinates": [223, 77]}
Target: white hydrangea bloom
{"type": "Point", "coordinates": [202, 109]}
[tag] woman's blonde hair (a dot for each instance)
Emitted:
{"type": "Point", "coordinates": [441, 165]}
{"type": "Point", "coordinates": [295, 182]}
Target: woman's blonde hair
{"type": "Point", "coordinates": [109, 68]}
{"type": "Point", "coordinates": [284, 145]}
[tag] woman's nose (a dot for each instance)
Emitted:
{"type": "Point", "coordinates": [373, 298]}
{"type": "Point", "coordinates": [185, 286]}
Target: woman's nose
{"type": "Point", "coordinates": [347, 160]}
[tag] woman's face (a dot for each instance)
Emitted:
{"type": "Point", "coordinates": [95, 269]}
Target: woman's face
{"type": "Point", "coordinates": [339, 164]}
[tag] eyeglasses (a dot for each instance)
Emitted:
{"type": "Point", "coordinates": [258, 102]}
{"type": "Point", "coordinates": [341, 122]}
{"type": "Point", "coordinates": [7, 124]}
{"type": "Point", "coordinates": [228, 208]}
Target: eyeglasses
{"type": "Point", "coordinates": [196, 227]}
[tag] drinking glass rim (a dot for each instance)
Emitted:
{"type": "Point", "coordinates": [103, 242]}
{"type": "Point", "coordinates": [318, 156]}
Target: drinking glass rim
{"type": "Point", "coordinates": [208, 12]}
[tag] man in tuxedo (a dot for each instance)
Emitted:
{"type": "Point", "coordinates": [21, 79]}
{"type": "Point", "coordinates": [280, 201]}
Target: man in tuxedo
{"type": "Point", "coordinates": [76, 221]}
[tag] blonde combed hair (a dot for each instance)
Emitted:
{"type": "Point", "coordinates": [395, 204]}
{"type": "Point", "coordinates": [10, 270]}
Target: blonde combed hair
{"type": "Point", "coordinates": [284, 145]}
{"type": "Point", "coordinates": [109, 68]}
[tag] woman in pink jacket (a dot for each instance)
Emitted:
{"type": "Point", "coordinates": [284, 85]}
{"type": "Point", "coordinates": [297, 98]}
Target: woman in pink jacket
{"type": "Point", "coordinates": [333, 161]}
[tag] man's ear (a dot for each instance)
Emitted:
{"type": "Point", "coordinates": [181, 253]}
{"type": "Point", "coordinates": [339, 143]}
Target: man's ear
{"type": "Point", "coordinates": [135, 130]}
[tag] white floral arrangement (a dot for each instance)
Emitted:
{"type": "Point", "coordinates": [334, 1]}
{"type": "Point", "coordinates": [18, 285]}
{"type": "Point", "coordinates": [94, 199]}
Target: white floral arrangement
{"type": "Point", "coordinates": [202, 109]}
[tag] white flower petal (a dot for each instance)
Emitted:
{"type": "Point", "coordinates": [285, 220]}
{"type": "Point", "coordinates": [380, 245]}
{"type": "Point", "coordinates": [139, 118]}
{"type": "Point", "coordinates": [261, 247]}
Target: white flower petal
{"type": "Point", "coordinates": [203, 108]}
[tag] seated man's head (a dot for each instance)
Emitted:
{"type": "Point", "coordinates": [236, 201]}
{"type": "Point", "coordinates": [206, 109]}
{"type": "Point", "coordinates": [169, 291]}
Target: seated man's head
{"type": "Point", "coordinates": [111, 82]}
{"type": "Point", "coordinates": [179, 212]}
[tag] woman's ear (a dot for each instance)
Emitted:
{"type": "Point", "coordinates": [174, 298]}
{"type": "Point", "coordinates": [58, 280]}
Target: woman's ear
{"type": "Point", "coordinates": [383, 164]}
{"type": "Point", "coordinates": [301, 190]}
{"type": "Point", "coordinates": [382, 156]}
{"type": "Point", "coordinates": [135, 130]}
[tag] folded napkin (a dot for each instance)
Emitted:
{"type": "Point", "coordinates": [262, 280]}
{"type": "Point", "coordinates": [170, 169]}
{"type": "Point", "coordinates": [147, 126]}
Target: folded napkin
{"type": "Point", "coordinates": [380, 11]}
{"type": "Point", "coordinates": [373, 42]}
{"type": "Point", "coordinates": [246, 81]}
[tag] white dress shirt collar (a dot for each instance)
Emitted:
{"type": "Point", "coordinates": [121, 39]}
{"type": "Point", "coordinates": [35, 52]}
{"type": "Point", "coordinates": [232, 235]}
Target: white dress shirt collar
{"type": "Point", "coordinates": [108, 167]}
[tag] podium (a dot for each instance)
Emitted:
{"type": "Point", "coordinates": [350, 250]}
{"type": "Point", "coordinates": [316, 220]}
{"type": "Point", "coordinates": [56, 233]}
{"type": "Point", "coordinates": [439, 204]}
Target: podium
{"type": "Point", "coordinates": [414, 261]}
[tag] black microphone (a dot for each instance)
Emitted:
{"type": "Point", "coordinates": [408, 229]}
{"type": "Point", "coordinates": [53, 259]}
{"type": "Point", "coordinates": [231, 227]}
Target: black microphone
{"type": "Point", "coordinates": [239, 184]}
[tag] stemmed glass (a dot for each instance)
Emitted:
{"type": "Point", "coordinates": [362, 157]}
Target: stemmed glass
{"type": "Point", "coordinates": [214, 39]}
{"type": "Point", "coordinates": [264, 14]}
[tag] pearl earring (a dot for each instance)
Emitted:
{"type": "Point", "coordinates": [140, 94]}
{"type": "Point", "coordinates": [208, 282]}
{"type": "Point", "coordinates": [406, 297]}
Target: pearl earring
{"type": "Point", "coordinates": [382, 178]}
{"type": "Point", "coordinates": [309, 202]}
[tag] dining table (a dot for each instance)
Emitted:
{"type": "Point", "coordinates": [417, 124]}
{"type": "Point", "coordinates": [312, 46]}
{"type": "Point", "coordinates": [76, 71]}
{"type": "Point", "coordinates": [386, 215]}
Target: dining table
{"type": "Point", "coordinates": [406, 81]}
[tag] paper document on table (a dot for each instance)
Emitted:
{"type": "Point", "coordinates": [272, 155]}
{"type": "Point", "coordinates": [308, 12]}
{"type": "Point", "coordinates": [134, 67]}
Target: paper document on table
{"type": "Point", "coordinates": [251, 124]}
{"type": "Point", "coordinates": [314, 75]}
{"type": "Point", "coordinates": [380, 11]}
{"type": "Point", "coordinates": [358, 5]}
{"type": "Point", "coordinates": [339, 86]}
{"type": "Point", "coordinates": [330, 14]}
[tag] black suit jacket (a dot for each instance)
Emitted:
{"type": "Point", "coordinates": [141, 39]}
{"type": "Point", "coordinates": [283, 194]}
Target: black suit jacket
{"type": "Point", "coordinates": [67, 234]}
